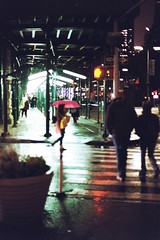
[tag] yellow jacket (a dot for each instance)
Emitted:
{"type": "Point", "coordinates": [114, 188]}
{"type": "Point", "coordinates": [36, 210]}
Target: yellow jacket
{"type": "Point", "coordinates": [64, 122]}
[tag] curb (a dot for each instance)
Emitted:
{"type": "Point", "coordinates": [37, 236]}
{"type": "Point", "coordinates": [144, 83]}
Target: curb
{"type": "Point", "coordinates": [110, 143]}
{"type": "Point", "coordinates": [16, 140]}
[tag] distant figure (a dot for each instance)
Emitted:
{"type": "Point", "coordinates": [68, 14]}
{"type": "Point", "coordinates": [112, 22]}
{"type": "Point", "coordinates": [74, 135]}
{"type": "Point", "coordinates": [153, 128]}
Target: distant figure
{"type": "Point", "coordinates": [147, 129]}
{"type": "Point", "coordinates": [61, 123]}
{"type": "Point", "coordinates": [74, 112]}
{"type": "Point", "coordinates": [119, 122]}
{"type": "Point", "coordinates": [34, 102]}
{"type": "Point", "coordinates": [25, 108]}
{"type": "Point", "coordinates": [101, 110]}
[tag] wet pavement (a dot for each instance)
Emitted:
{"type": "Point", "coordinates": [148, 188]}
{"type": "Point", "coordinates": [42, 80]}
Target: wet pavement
{"type": "Point", "coordinates": [90, 219]}
{"type": "Point", "coordinates": [76, 218]}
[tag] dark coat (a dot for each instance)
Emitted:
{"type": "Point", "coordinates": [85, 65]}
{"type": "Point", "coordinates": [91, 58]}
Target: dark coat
{"type": "Point", "coordinates": [26, 105]}
{"type": "Point", "coordinates": [147, 127]}
{"type": "Point", "coordinates": [120, 118]}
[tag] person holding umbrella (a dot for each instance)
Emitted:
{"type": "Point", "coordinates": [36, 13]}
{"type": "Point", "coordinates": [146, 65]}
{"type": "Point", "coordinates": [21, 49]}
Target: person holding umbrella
{"type": "Point", "coordinates": [61, 123]}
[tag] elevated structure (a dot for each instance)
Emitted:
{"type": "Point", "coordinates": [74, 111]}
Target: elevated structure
{"type": "Point", "coordinates": [39, 35]}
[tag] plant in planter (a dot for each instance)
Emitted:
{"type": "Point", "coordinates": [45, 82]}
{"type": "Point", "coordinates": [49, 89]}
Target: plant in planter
{"type": "Point", "coordinates": [24, 184]}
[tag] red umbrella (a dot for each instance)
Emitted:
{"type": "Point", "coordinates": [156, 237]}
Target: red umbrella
{"type": "Point", "coordinates": [68, 103]}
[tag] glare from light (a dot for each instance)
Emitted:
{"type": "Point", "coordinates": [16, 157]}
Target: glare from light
{"type": "Point", "coordinates": [69, 80]}
{"type": "Point", "coordinates": [156, 48]}
{"type": "Point", "coordinates": [125, 69]}
{"type": "Point", "coordinates": [35, 80]}
{"type": "Point", "coordinates": [58, 83]}
{"type": "Point", "coordinates": [69, 34]}
{"type": "Point", "coordinates": [37, 75]}
{"type": "Point", "coordinates": [58, 33]}
{"type": "Point", "coordinates": [138, 48]}
{"type": "Point", "coordinates": [34, 84]}
{"type": "Point", "coordinates": [74, 74]}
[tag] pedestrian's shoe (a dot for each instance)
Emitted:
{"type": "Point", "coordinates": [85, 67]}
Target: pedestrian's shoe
{"type": "Point", "coordinates": [120, 179]}
{"type": "Point", "coordinates": [142, 176]}
{"type": "Point", "coordinates": [156, 174]}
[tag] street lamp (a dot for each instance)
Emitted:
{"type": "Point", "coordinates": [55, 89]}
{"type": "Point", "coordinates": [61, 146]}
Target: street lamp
{"type": "Point", "coordinates": [148, 72]}
{"type": "Point", "coordinates": [157, 48]}
{"type": "Point", "coordinates": [148, 60]}
{"type": "Point", "coordinates": [139, 49]}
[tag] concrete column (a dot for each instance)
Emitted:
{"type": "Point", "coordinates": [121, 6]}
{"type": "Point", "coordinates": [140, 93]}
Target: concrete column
{"type": "Point", "coordinates": [9, 101]}
{"type": "Point", "coordinates": [8, 83]}
{"type": "Point", "coordinates": [47, 134]}
{"type": "Point", "coordinates": [116, 83]}
{"type": "Point", "coordinates": [7, 89]}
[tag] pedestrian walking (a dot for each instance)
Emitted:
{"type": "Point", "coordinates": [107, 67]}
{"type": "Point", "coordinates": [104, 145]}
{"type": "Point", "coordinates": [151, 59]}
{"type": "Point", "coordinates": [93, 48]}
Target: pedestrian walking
{"type": "Point", "coordinates": [147, 128]}
{"type": "Point", "coordinates": [74, 112]}
{"type": "Point", "coordinates": [34, 101]}
{"type": "Point", "coordinates": [61, 123]}
{"type": "Point", "coordinates": [25, 108]}
{"type": "Point", "coordinates": [120, 120]}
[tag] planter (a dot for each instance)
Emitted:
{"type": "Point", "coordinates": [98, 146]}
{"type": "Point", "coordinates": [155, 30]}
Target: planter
{"type": "Point", "coordinates": [22, 200]}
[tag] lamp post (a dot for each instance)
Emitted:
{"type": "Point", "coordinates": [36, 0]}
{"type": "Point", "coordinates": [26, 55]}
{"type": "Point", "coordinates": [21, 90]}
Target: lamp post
{"type": "Point", "coordinates": [147, 45]}
{"type": "Point", "coordinates": [139, 49]}
{"type": "Point", "coordinates": [148, 72]}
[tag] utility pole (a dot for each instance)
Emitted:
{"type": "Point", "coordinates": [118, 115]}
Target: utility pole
{"type": "Point", "coordinates": [148, 72]}
{"type": "Point", "coordinates": [116, 83]}
{"type": "Point", "coordinates": [47, 134]}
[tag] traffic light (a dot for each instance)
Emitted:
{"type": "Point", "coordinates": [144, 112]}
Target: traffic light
{"type": "Point", "coordinates": [109, 73]}
{"type": "Point", "coordinates": [103, 73]}
{"type": "Point", "coordinates": [99, 72]}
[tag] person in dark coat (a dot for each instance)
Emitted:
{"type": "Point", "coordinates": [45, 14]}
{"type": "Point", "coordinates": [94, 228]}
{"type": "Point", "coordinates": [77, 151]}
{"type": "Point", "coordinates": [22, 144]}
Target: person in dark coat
{"type": "Point", "coordinates": [120, 120]}
{"type": "Point", "coordinates": [147, 128]}
{"type": "Point", "coordinates": [25, 108]}
{"type": "Point", "coordinates": [74, 112]}
{"type": "Point", "coordinates": [34, 102]}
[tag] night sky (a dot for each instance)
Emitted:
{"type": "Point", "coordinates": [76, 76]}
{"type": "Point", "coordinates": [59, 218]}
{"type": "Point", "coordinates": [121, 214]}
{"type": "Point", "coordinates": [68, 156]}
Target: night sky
{"type": "Point", "coordinates": [145, 19]}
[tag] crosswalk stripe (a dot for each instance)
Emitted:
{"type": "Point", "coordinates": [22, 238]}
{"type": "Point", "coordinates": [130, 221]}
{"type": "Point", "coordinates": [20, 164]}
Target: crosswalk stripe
{"type": "Point", "coordinates": [93, 174]}
{"type": "Point", "coordinates": [154, 198]}
{"type": "Point", "coordinates": [79, 172]}
{"type": "Point", "coordinates": [109, 182]}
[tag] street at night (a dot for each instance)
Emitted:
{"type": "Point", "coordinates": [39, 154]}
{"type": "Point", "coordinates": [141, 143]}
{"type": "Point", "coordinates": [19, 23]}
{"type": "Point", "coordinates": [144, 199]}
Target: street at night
{"type": "Point", "coordinates": [85, 201]}
{"type": "Point", "coordinates": [75, 77]}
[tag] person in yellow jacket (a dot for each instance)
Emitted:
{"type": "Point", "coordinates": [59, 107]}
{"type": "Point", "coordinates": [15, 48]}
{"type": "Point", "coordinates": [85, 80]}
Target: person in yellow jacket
{"type": "Point", "coordinates": [61, 123]}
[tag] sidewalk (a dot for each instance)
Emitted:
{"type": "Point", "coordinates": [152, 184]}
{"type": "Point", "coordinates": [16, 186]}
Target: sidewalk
{"type": "Point", "coordinates": [77, 218]}
{"type": "Point", "coordinates": [33, 129]}
{"type": "Point", "coordinates": [29, 129]}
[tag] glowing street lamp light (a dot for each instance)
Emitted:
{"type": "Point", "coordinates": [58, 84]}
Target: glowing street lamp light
{"type": "Point", "coordinates": [37, 75]}
{"type": "Point", "coordinates": [61, 78]}
{"type": "Point", "coordinates": [138, 48]}
{"type": "Point", "coordinates": [74, 74]}
{"type": "Point", "coordinates": [157, 48]}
